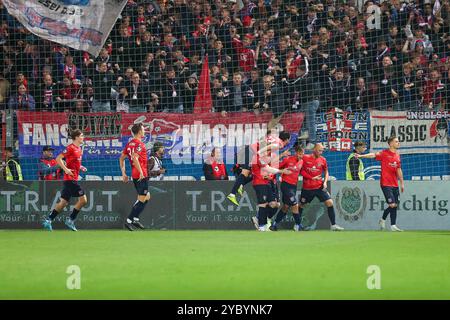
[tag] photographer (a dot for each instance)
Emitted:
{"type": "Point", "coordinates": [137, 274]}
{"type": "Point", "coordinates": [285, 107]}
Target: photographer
{"type": "Point", "coordinates": [156, 170]}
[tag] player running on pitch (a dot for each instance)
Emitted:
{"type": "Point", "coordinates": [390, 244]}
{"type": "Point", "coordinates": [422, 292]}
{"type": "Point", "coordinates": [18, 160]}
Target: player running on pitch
{"type": "Point", "coordinates": [243, 167]}
{"type": "Point", "coordinates": [314, 165]}
{"type": "Point", "coordinates": [391, 172]}
{"type": "Point", "coordinates": [72, 166]}
{"type": "Point", "coordinates": [137, 154]}
{"type": "Point", "coordinates": [289, 188]}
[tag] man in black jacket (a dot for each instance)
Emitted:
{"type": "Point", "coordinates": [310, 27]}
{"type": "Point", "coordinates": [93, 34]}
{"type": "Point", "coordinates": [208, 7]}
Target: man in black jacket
{"type": "Point", "coordinates": [240, 97]}
{"type": "Point", "coordinates": [102, 81]}
{"type": "Point", "coordinates": [171, 89]}
{"type": "Point", "coordinates": [138, 94]}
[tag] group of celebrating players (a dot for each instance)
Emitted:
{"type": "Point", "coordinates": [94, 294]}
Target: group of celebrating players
{"type": "Point", "coordinates": [266, 163]}
{"type": "Point", "coordinates": [261, 165]}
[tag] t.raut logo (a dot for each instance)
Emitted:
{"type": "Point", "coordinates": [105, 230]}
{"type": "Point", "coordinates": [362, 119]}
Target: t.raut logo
{"type": "Point", "coordinates": [351, 203]}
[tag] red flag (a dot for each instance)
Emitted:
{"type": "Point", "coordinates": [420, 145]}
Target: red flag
{"type": "Point", "coordinates": [203, 101]}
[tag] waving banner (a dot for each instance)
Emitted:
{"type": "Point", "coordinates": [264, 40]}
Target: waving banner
{"type": "Point", "coordinates": [79, 24]}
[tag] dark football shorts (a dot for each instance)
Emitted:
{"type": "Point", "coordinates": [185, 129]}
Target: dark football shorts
{"type": "Point", "coordinates": [266, 193]}
{"type": "Point", "coordinates": [289, 193]}
{"type": "Point", "coordinates": [308, 195]}
{"type": "Point", "coordinates": [141, 186]}
{"type": "Point", "coordinates": [71, 189]}
{"type": "Point", "coordinates": [391, 194]}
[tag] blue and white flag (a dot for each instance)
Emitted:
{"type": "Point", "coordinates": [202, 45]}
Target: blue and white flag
{"type": "Point", "coordinates": [79, 24]}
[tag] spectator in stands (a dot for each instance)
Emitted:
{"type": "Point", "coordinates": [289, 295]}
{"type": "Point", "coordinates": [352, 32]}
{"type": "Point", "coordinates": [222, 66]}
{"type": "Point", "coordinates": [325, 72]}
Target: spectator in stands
{"type": "Point", "coordinates": [138, 94]}
{"type": "Point", "coordinates": [122, 104]}
{"type": "Point", "coordinates": [434, 96]}
{"type": "Point", "coordinates": [214, 168]}
{"type": "Point", "coordinates": [339, 90]}
{"type": "Point", "coordinates": [189, 93]}
{"type": "Point", "coordinates": [153, 105]}
{"type": "Point", "coordinates": [105, 57]}
{"type": "Point", "coordinates": [407, 89]}
{"type": "Point", "coordinates": [67, 68]}
{"type": "Point", "coordinates": [22, 100]}
{"type": "Point", "coordinates": [359, 98]}
{"type": "Point", "coordinates": [102, 82]}
{"type": "Point", "coordinates": [45, 94]}
{"type": "Point", "coordinates": [48, 169]}
{"type": "Point", "coordinates": [304, 95]}
{"type": "Point", "coordinates": [171, 93]}
{"type": "Point", "coordinates": [387, 84]}
{"type": "Point", "coordinates": [256, 84]}
{"type": "Point", "coordinates": [240, 96]}
{"type": "Point", "coordinates": [88, 97]}
{"type": "Point", "coordinates": [66, 93]}
{"type": "Point", "coordinates": [12, 170]}
{"type": "Point", "coordinates": [271, 99]}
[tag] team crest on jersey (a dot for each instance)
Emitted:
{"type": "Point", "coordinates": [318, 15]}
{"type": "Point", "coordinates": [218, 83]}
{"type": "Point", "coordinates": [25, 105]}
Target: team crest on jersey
{"type": "Point", "coordinates": [351, 203]}
{"type": "Point", "coordinates": [139, 149]}
{"type": "Point", "coordinates": [216, 169]}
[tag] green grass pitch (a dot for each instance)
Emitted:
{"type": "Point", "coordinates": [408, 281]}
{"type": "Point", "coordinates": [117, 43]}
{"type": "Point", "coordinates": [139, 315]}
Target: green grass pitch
{"type": "Point", "coordinates": [224, 264]}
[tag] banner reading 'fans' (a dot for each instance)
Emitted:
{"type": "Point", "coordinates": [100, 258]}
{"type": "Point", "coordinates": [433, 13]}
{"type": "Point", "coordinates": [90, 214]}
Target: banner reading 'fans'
{"type": "Point", "coordinates": [79, 24]}
{"type": "Point", "coordinates": [186, 137]}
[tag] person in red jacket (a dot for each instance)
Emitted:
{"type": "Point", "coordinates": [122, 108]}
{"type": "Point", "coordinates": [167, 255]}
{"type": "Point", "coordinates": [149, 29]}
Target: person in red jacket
{"type": "Point", "coordinates": [314, 165]}
{"type": "Point", "coordinates": [246, 55]}
{"type": "Point", "coordinates": [214, 168]}
{"type": "Point", "coordinates": [289, 182]}
{"type": "Point", "coordinates": [48, 168]}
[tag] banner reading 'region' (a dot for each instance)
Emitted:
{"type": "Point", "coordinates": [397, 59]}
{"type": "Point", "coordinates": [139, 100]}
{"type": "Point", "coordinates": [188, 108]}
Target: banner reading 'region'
{"type": "Point", "coordinates": [186, 137]}
{"type": "Point", "coordinates": [338, 130]}
{"type": "Point", "coordinates": [418, 132]}
{"type": "Point", "coordinates": [79, 24]}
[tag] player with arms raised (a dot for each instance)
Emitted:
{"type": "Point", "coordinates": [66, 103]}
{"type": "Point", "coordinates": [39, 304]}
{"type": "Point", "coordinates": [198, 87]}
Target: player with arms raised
{"type": "Point", "coordinates": [137, 154]}
{"type": "Point", "coordinates": [72, 166]}
{"type": "Point", "coordinates": [314, 165]}
{"type": "Point", "coordinates": [391, 172]}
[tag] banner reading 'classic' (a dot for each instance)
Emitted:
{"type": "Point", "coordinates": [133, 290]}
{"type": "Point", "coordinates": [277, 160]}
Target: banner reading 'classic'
{"type": "Point", "coordinates": [418, 132]}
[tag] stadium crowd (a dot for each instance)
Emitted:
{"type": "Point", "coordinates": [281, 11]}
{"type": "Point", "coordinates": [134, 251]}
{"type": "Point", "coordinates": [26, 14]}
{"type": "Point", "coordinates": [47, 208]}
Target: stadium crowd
{"type": "Point", "coordinates": [264, 55]}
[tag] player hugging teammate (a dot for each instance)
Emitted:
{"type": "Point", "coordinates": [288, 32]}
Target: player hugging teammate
{"type": "Point", "coordinates": [314, 170]}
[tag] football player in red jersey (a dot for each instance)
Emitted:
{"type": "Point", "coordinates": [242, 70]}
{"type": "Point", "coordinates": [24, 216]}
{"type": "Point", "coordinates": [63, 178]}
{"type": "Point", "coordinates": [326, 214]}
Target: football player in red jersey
{"type": "Point", "coordinates": [289, 188]}
{"type": "Point", "coordinates": [314, 165]}
{"type": "Point", "coordinates": [264, 184]}
{"type": "Point", "coordinates": [137, 155]}
{"type": "Point", "coordinates": [72, 166]}
{"type": "Point", "coordinates": [243, 168]}
{"type": "Point", "coordinates": [391, 172]}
